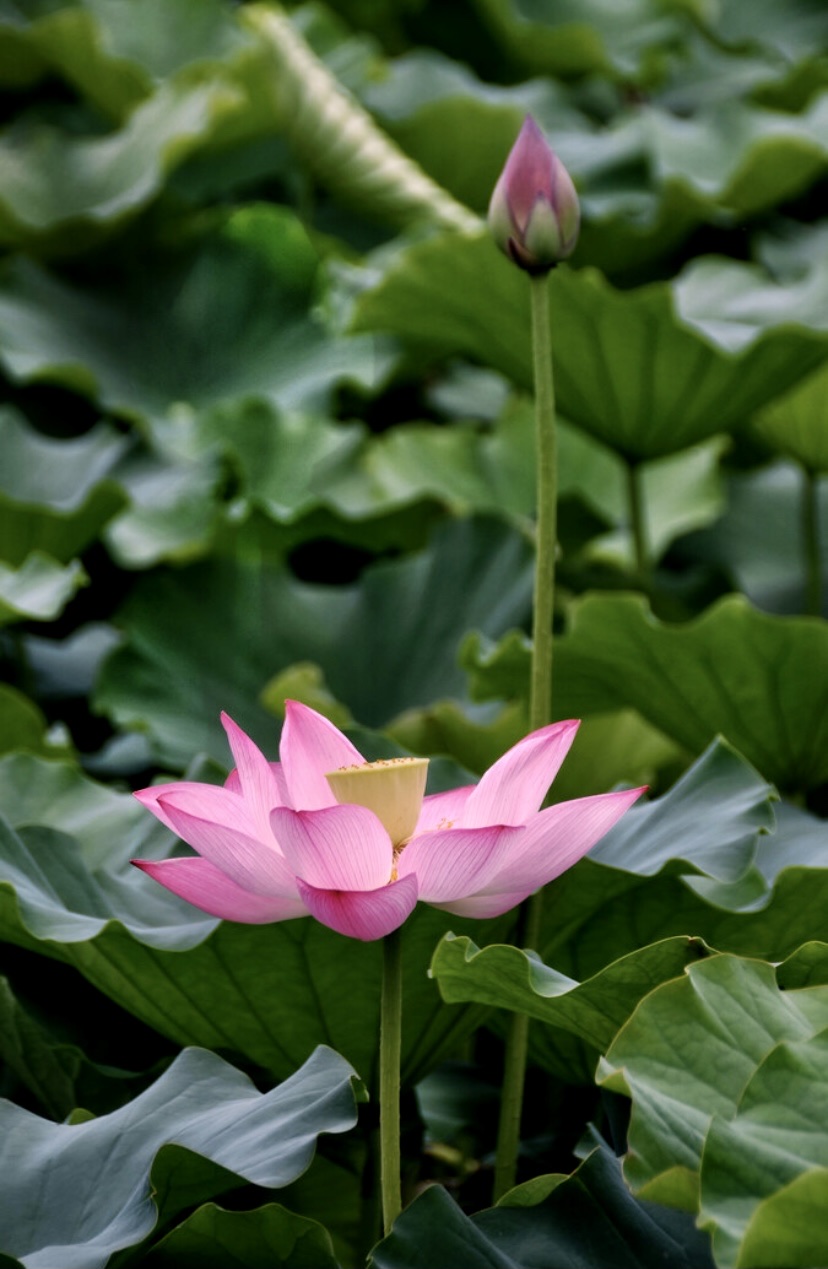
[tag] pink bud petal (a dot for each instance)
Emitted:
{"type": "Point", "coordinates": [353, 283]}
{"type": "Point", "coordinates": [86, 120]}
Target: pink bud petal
{"type": "Point", "coordinates": [534, 214]}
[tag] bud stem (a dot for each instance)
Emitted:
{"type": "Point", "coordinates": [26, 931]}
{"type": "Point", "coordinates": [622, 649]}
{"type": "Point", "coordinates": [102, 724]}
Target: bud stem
{"type": "Point", "coordinates": [811, 543]}
{"type": "Point", "coordinates": [540, 702]}
{"type": "Point", "coordinates": [638, 523]}
{"type": "Point", "coordinates": [540, 694]}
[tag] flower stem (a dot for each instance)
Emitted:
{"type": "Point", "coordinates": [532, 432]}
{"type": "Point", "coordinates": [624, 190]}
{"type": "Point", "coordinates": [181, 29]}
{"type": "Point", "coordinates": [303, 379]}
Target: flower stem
{"type": "Point", "coordinates": [811, 544]}
{"type": "Point", "coordinates": [540, 688]}
{"type": "Point", "coordinates": [389, 1077]}
{"type": "Point", "coordinates": [638, 525]}
{"type": "Point", "coordinates": [540, 704]}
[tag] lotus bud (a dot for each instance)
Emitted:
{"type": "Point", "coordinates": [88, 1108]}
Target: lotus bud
{"type": "Point", "coordinates": [534, 214]}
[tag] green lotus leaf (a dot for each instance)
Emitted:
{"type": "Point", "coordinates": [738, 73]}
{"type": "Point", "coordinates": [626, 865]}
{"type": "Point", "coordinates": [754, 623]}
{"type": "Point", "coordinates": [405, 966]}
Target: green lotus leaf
{"type": "Point", "coordinates": [458, 128]}
{"type": "Point", "coordinates": [629, 367]}
{"type": "Point", "coordinates": [740, 157]}
{"type": "Point", "coordinates": [226, 319]}
{"type": "Point", "coordinates": [174, 508]}
{"type": "Point", "coordinates": [552, 1220]}
{"type": "Point", "coordinates": [320, 477]}
{"type": "Point", "coordinates": [213, 1238]}
{"type": "Point", "coordinates": [465, 468]}
{"type": "Point", "coordinates": [724, 1071]}
{"type": "Point", "coordinates": [39, 589]}
{"type": "Point", "coordinates": [786, 1228]}
{"type": "Point", "coordinates": [63, 192]}
{"type": "Point", "coordinates": [79, 1192]}
{"type": "Point", "coordinates": [796, 424]}
{"type": "Point", "coordinates": [337, 139]}
{"type": "Point", "coordinates": [777, 1138]}
{"type": "Point", "coordinates": [114, 54]}
{"type": "Point", "coordinates": [291, 464]}
{"type": "Point", "coordinates": [758, 542]}
{"type": "Point", "coordinates": [55, 495]}
{"type": "Point", "coordinates": [580, 39]}
{"type": "Point", "coordinates": [772, 909]}
{"type": "Point", "coordinates": [57, 1074]}
{"type": "Point", "coordinates": [796, 33]}
{"type": "Point", "coordinates": [178, 670]}
{"type": "Point", "coordinates": [680, 493]}
{"type": "Point", "coordinates": [594, 1010]}
{"type": "Point", "coordinates": [59, 796]}
{"type": "Point", "coordinates": [736, 672]}
{"type": "Point", "coordinates": [24, 727]}
{"type": "Point", "coordinates": [737, 306]}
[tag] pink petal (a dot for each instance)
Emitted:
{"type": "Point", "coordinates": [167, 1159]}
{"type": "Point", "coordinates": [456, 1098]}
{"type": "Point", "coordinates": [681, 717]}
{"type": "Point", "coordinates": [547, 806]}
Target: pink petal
{"type": "Point", "coordinates": [558, 837]}
{"type": "Point", "coordinates": [233, 783]}
{"type": "Point", "coordinates": [483, 906]}
{"type": "Point", "coordinates": [362, 914]}
{"type": "Point", "coordinates": [442, 810]}
{"type": "Point", "coordinates": [453, 863]}
{"type": "Point", "coordinates": [514, 787]}
{"type": "Point", "coordinates": [335, 848]}
{"type": "Point", "coordinates": [205, 801]}
{"type": "Point", "coordinates": [528, 174]}
{"type": "Point", "coordinates": [311, 747]}
{"type": "Point", "coordinates": [253, 864]}
{"type": "Point", "coordinates": [259, 787]}
{"type": "Point", "coordinates": [207, 887]}
{"type": "Point", "coordinates": [150, 798]}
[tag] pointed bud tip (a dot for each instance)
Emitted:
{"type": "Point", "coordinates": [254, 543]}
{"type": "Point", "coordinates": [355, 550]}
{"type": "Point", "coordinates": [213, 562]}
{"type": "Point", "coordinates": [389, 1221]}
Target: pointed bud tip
{"type": "Point", "coordinates": [534, 215]}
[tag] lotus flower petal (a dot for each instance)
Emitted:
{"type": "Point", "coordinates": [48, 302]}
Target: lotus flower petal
{"type": "Point", "coordinates": [362, 914]}
{"type": "Point", "coordinates": [207, 887]}
{"type": "Point", "coordinates": [233, 783]}
{"type": "Point", "coordinates": [258, 785]}
{"type": "Point", "coordinates": [452, 863]}
{"type": "Point", "coordinates": [336, 847]}
{"type": "Point", "coordinates": [514, 787]}
{"type": "Point", "coordinates": [253, 864]}
{"type": "Point", "coordinates": [484, 906]}
{"type": "Point", "coordinates": [227, 808]}
{"type": "Point", "coordinates": [558, 837]}
{"type": "Point", "coordinates": [311, 747]}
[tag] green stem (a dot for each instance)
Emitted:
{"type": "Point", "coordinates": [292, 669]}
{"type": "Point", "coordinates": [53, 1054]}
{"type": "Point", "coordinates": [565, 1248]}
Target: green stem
{"type": "Point", "coordinates": [389, 1076]}
{"type": "Point", "coordinates": [811, 543]}
{"type": "Point", "coordinates": [540, 704]}
{"type": "Point", "coordinates": [514, 1063]}
{"type": "Point", "coordinates": [540, 687]}
{"type": "Point", "coordinates": [638, 525]}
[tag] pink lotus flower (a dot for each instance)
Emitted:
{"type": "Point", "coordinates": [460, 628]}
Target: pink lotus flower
{"type": "Point", "coordinates": [356, 844]}
{"type": "Point", "coordinates": [534, 213]}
